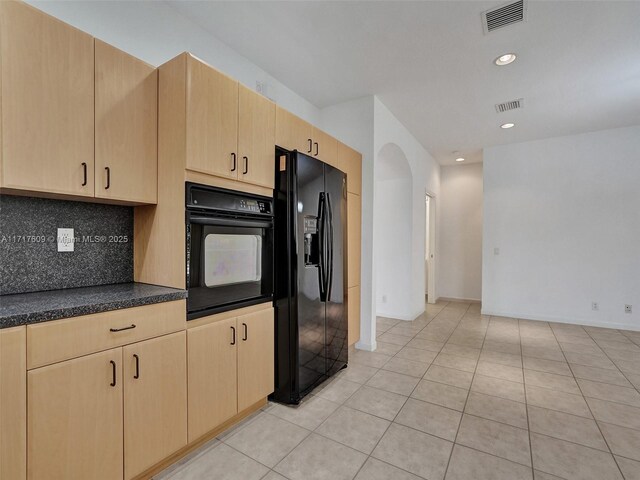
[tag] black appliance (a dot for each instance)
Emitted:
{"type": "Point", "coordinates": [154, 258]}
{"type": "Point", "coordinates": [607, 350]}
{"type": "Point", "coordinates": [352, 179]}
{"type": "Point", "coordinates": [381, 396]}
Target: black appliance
{"type": "Point", "coordinates": [309, 293]}
{"type": "Point", "coordinates": [229, 249]}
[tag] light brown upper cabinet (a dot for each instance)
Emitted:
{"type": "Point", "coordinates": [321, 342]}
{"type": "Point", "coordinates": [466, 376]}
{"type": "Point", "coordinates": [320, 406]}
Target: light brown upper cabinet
{"type": "Point", "coordinates": [292, 132]}
{"type": "Point", "coordinates": [229, 129]}
{"type": "Point", "coordinates": [354, 239]}
{"type": "Point", "coordinates": [256, 138]}
{"type": "Point", "coordinates": [47, 103]}
{"type": "Point", "coordinates": [79, 117]}
{"type": "Point", "coordinates": [350, 162]}
{"type": "Point", "coordinates": [211, 121]}
{"type": "Point", "coordinates": [126, 136]}
{"type": "Point", "coordinates": [325, 147]}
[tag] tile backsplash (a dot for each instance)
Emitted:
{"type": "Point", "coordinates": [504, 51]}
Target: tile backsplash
{"type": "Point", "coordinates": [29, 257]}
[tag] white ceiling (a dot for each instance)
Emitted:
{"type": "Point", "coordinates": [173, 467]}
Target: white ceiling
{"type": "Point", "coordinates": [430, 63]}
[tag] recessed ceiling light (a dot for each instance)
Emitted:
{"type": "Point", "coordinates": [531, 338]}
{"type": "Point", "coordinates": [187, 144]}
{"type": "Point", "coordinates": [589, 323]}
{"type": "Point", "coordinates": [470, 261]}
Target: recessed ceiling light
{"type": "Point", "coordinates": [507, 125]}
{"type": "Point", "coordinates": [459, 159]}
{"type": "Point", "coordinates": [505, 59]}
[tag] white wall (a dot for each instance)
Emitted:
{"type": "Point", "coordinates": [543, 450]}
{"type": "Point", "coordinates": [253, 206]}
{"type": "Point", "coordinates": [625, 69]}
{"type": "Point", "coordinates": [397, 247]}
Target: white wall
{"type": "Point", "coordinates": [461, 232]}
{"type": "Point", "coordinates": [393, 233]}
{"type": "Point", "coordinates": [367, 125]}
{"type": "Point", "coordinates": [154, 32]}
{"type": "Point", "coordinates": [565, 214]}
{"type": "Point", "coordinates": [426, 177]}
{"type": "Point", "coordinates": [352, 123]}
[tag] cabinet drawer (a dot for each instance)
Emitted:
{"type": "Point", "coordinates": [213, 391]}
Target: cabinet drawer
{"type": "Point", "coordinates": [60, 340]}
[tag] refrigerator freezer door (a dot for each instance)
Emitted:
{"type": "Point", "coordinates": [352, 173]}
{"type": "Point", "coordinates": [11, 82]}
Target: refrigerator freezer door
{"type": "Point", "coordinates": [312, 365]}
{"type": "Point", "coordinates": [336, 312]}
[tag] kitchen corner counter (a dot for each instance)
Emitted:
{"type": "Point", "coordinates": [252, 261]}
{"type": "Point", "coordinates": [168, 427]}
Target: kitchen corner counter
{"type": "Point", "coordinates": [28, 308]}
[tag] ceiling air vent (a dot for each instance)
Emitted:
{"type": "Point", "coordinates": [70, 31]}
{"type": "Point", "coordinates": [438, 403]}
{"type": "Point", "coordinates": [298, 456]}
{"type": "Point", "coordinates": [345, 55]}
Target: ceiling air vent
{"type": "Point", "coordinates": [511, 105]}
{"type": "Point", "coordinates": [503, 16]}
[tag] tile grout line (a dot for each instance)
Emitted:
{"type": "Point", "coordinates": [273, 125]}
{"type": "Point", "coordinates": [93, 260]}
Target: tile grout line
{"type": "Point", "coordinates": [589, 406]}
{"type": "Point", "coordinates": [413, 390]}
{"type": "Point", "coordinates": [526, 404]}
{"type": "Point", "coordinates": [613, 361]}
{"type": "Point", "coordinates": [464, 407]}
{"type": "Point", "coordinates": [396, 415]}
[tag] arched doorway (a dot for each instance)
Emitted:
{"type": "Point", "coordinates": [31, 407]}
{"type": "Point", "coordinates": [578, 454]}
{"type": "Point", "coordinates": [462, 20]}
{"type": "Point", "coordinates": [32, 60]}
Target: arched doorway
{"type": "Point", "coordinates": [393, 233]}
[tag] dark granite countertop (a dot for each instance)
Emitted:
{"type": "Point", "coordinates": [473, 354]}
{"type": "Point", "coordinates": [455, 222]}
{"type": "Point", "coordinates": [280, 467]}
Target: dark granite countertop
{"type": "Point", "coordinates": [27, 308]}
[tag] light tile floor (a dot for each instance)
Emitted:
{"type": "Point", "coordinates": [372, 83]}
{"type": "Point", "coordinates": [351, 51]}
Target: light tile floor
{"type": "Point", "coordinates": [456, 395]}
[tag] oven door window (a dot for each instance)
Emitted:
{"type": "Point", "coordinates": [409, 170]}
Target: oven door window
{"type": "Point", "coordinates": [232, 259]}
{"type": "Point", "coordinates": [229, 266]}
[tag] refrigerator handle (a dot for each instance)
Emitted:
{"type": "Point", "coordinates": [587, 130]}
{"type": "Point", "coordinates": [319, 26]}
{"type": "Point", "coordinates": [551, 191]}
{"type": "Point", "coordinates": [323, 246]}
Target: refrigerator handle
{"type": "Point", "coordinates": [329, 246]}
{"type": "Point", "coordinates": [322, 273]}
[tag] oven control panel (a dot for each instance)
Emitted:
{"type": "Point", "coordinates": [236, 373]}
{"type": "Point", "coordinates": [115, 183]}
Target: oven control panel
{"type": "Point", "coordinates": [203, 197]}
{"type": "Point", "coordinates": [256, 206]}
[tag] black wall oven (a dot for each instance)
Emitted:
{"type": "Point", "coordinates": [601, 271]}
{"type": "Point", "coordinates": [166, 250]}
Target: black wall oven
{"type": "Point", "coordinates": [229, 249]}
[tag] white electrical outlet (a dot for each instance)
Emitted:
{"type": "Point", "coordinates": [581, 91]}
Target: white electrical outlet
{"type": "Point", "coordinates": [627, 308]}
{"type": "Point", "coordinates": [384, 299]}
{"type": "Point", "coordinates": [65, 239]}
{"type": "Point", "coordinates": [595, 306]}
{"type": "Point", "coordinates": [496, 251]}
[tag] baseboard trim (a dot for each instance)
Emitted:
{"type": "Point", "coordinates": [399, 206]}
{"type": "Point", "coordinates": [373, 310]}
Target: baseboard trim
{"type": "Point", "coordinates": [456, 299]}
{"type": "Point", "coordinates": [569, 321]}
{"type": "Point", "coordinates": [187, 449]}
{"type": "Point", "coordinates": [406, 318]}
{"type": "Point", "coordinates": [369, 347]}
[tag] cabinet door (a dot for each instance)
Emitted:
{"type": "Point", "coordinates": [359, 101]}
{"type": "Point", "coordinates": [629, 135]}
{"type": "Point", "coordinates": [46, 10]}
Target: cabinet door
{"type": "Point", "coordinates": [75, 418]}
{"type": "Point", "coordinates": [13, 403]}
{"type": "Point", "coordinates": [126, 127]}
{"type": "Point", "coordinates": [256, 138]}
{"type": "Point", "coordinates": [212, 121]}
{"type": "Point", "coordinates": [292, 132]}
{"type": "Point", "coordinates": [47, 103]}
{"type": "Point", "coordinates": [350, 162]}
{"type": "Point", "coordinates": [325, 147]}
{"type": "Point", "coordinates": [155, 401]}
{"type": "Point", "coordinates": [212, 362]}
{"type": "Point", "coordinates": [354, 239]}
{"type": "Point", "coordinates": [353, 312]}
{"type": "Point", "coordinates": [255, 357]}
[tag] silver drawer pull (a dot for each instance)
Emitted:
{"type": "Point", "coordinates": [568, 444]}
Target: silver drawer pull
{"type": "Point", "coordinates": [123, 328]}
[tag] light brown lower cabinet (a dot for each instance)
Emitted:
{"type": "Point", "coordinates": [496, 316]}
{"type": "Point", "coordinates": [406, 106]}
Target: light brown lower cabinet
{"type": "Point", "coordinates": [97, 416]}
{"type": "Point", "coordinates": [75, 418]}
{"type": "Point", "coordinates": [13, 403]}
{"type": "Point", "coordinates": [213, 381]}
{"type": "Point", "coordinates": [230, 368]}
{"type": "Point", "coordinates": [255, 357]}
{"type": "Point", "coordinates": [155, 401]}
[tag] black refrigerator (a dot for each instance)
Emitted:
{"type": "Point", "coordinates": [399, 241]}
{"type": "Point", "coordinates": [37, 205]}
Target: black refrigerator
{"type": "Point", "coordinates": [310, 283]}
